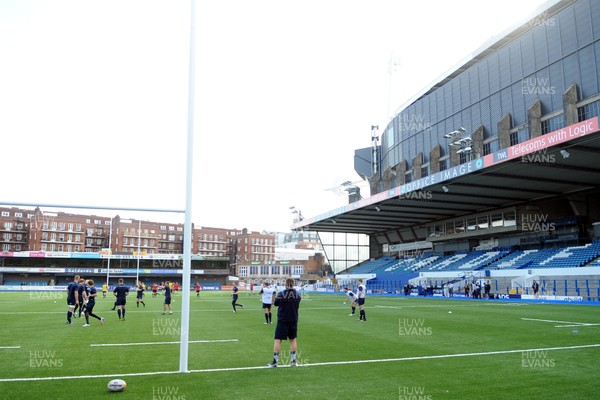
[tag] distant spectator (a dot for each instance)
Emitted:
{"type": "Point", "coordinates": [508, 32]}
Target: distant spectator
{"type": "Point", "coordinates": [536, 289]}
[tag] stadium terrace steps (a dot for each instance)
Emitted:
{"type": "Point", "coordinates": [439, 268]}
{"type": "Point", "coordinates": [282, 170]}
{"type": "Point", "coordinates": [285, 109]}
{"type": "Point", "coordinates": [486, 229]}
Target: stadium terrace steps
{"type": "Point", "coordinates": [412, 264]}
{"type": "Point", "coordinates": [372, 266]}
{"type": "Point", "coordinates": [576, 256]}
{"type": "Point", "coordinates": [471, 261]}
{"type": "Point", "coordinates": [514, 260]}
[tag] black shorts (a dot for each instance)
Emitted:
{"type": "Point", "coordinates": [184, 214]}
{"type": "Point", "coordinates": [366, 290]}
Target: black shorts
{"type": "Point", "coordinates": [89, 307]}
{"type": "Point", "coordinates": [140, 295]}
{"type": "Point", "coordinates": [120, 302]}
{"type": "Point", "coordinates": [265, 305]}
{"type": "Point", "coordinates": [286, 330]}
{"type": "Point", "coordinates": [167, 300]}
{"type": "Point", "coordinates": [361, 301]}
{"type": "Point", "coordinates": [70, 302]}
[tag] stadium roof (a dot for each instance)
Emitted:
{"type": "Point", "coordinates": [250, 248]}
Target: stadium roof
{"type": "Point", "coordinates": [518, 175]}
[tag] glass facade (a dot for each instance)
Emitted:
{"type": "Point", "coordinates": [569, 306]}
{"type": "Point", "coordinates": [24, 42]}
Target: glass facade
{"type": "Point", "coordinates": [539, 65]}
{"type": "Point", "coordinates": [344, 250]}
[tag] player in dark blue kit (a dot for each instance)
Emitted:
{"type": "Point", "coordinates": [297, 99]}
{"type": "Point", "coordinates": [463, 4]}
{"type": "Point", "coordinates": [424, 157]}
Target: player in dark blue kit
{"type": "Point", "coordinates": [167, 293]}
{"type": "Point", "coordinates": [139, 294]}
{"type": "Point", "coordinates": [234, 297]}
{"type": "Point", "coordinates": [72, 297]}
{"type": "Point", "coordinates": [121, 292]}
{"type": "Point", "coordinates": [89, 307]}
{"type": "Point", "coordinates": [82, 294]}
{"type": "Point", "coordinates": [288, 303]}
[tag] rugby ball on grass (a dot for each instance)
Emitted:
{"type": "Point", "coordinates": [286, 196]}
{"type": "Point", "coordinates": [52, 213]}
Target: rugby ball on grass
{"type": "Point", "coordinates": [117, 385]}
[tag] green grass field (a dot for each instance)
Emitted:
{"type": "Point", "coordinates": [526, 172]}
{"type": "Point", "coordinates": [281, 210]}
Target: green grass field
{"type": "Point", "coordinates": [410, 348]}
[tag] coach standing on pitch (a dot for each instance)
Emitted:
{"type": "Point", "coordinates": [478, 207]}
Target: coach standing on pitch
{"type": "Point", "coordinates": [288, 303]}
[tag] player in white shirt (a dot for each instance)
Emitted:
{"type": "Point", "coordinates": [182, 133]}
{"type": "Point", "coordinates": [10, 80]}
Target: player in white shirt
{"type": "Point", "coordinates": [353, 299]}
{"type": "Point", "coordinates": [267, 297]}
{"type": "Point", "coordinates": [362, 293]}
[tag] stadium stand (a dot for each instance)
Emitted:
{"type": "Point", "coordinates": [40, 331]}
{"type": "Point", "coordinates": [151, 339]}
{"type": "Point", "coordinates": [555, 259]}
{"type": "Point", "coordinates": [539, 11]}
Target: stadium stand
{"type": "Point", "coordinates": [373, 266]}
{"type": "Point", "coordinates": [412, 264]}
{"type": "Point", "coordinates": [570, 257]}
{"type": "Point", "coordinates": [515, 260]}
{"type": "Point", "coordinates": [392, 274]}
{"type": "Point", "coordinates": [470, 261]}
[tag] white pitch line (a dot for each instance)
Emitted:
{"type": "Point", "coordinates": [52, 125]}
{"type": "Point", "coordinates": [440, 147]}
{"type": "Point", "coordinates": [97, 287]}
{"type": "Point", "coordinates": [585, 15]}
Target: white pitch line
{"type": "Point", "coordinates": [10, 347]}
{"type": "Point", "coordinates": [151, 343]}
{"type": "Point", "coordinates": [416, 358]}
{"type": "Point", "coordinates": [569, 323]}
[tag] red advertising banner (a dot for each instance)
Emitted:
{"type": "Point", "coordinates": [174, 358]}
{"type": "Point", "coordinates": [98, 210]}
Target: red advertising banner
{"type": "Point", "coordinates": [543, 142]}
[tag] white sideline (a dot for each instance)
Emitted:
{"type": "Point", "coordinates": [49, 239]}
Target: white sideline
{"type": "Point", "coordinates": [569, 323]}
{"type": "Point", "coordinates": [151, 343]}
{"type": "Point", "coordinates": [487, 353]}
{"type": "Point", "coordinates": [10, 347]}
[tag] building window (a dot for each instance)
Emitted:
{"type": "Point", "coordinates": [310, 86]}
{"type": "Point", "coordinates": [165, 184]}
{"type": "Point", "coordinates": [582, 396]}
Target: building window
{"type": "Point", "coordinates": [514, 138]}
{"type": "Point", "coordinates": [553, 124]}
{"type": "Point", "coordinates": [443, 165]}
{"type": "Point", "coordinates": [588, 111]}
{"type": "Point", "coordinates": [408, 177]}
{"type": "Point", "coordinates": [424, 171]}
{"type": "Point", "coordinates": [487, 148]}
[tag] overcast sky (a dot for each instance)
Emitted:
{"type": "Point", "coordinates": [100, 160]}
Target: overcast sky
{"type": "Point", "coordinates": [93, 98]}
